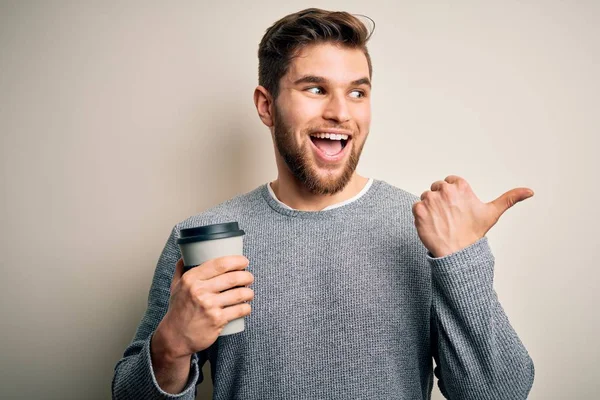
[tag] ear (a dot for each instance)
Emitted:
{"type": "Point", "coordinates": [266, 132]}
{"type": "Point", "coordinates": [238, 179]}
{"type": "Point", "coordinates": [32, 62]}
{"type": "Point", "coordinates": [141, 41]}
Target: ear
{"type": "Point", "coordinates": [263, 102]}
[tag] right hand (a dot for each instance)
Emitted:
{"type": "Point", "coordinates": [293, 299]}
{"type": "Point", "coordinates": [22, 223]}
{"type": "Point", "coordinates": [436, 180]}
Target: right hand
{"type": "Point", "coordinates": [198, 310]}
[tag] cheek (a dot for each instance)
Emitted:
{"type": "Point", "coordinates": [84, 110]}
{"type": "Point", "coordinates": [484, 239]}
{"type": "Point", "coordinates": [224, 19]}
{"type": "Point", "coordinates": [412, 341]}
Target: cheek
{"type": "Point", "coordinates": [302, 110]}
{"type": "Point", "coordinates": [362, 116]}
{"type": "Point", "coordinates": [310, 113]}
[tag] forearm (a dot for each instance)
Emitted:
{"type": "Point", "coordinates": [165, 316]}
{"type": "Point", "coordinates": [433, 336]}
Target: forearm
{"type": "Point", "coordinates": [135, 378]}
{"type": "Point", "coordinates": [478, 353]}
{"type": "Point", "coordinates": [172, 373]}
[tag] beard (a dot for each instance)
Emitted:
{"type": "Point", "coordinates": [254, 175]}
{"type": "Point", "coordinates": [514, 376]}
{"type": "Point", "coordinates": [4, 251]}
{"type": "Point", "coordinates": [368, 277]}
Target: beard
{"type": "Point", "coordinates": [301, 164]}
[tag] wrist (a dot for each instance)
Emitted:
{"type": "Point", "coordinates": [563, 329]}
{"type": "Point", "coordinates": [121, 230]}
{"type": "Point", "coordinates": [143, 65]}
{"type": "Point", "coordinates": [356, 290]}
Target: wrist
{"type": "Point", "coordinates": [163, 346]}
{"type": "Point", "coordinates": [171, 371]}
{"type": "Point", "coordinates": [443, 251]}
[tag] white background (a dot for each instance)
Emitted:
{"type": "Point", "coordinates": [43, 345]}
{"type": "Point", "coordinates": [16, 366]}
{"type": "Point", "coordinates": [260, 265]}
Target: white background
{"type": "Point", "coordinates": [120, 119]}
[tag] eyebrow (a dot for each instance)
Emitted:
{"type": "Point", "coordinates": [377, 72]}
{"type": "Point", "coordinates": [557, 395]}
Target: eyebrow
{"type": "Point", "coordinates": [319, 79]}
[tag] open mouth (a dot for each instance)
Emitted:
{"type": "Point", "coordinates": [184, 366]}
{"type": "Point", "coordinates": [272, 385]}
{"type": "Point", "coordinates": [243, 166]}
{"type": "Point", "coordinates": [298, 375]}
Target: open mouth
{"type": "Point", "coordinates": [330, 144]}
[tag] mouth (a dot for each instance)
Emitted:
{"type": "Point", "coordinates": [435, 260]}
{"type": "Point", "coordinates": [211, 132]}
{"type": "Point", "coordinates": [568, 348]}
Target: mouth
{"type": "Point", "coordinates": [330, 146]}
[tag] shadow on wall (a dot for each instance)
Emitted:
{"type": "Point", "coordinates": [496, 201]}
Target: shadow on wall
{"type": "Point", "coordinates": [231, 153]}
{"type": "Point", "coordinates": [220, 159]}
{"type": "Point", "coordinates": [236, 162]}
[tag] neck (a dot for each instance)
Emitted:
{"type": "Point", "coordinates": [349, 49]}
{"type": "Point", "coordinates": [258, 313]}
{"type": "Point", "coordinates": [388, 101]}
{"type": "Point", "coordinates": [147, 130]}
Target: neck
{"type": "Point", "coordinates": [292, 193]}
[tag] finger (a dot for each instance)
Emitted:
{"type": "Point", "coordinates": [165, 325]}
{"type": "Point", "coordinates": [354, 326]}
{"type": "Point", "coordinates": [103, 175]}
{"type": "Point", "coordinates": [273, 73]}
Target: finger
{"type": "Point", "coordinates": [437, 185]}
{"type": "Point", "coordinates": [237, 311]}
{"type": "Point", "coordinates": [453, 178]}
{"type": "Point", "coordinates": [229, 280]}
{"type": "Point", "coordinates": [177, 273]}
{"type": "Point", "coordinates": [428, 193]}
{"type": "Point", "coordinates": [234, 296]}
{"type": "Point", "coordinates": [219, 266]}
{"type": "Point", "coordinates": [509, 199]}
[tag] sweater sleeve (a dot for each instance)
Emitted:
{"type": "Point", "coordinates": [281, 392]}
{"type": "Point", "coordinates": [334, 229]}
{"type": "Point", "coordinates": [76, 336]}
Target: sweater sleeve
{"type": "Point", "coordinates": [478, 354]}
{"type": "Point", "coordinates": [133, 376]}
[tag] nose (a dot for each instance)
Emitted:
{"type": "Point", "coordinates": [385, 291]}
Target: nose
{"type": "Point", "coordinates": [336, 109]}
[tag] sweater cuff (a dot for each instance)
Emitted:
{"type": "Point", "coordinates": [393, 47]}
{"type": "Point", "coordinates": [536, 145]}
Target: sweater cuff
{"type": "Point", "coordinates": [151, 383]}
{"type": "Point", "coordinates": [475, 255]}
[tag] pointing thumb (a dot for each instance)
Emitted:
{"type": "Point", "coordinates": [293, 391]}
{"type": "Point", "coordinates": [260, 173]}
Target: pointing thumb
{"type": "Point", "coordinates": [509, 199]}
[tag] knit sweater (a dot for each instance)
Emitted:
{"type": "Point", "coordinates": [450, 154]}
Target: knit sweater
{"type": "Point", "coordinates": [348, 304]}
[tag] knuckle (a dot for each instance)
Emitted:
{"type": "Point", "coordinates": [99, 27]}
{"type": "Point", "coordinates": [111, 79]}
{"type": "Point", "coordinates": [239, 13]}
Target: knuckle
{"type": "Point", "coordinates": [187, 282]}
{"type": "Point", "coordinates": [418, 207]}
{"type": "Point", "coordinates": [231, 280]}
{"type": "Point", "coordinates": [197, 288]}
{"type": "Point", "coordinates": [240, 296]}
{"type": "Point", "coordinates": [206, 303]}
{"type": "Point", "coordinates": [215, 315]}
{"type": "Point", "coordinates": [245, 294]}
{"type": "Point", "coordinates": [220, 266]}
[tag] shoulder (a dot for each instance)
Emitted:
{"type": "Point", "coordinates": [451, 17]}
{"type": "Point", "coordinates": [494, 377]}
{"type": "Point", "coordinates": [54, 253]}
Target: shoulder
{"type": "Point", "coordinates": [394, 208]}
{"type": "Point", "coordinates": [235, 209]}
{"type": "Point", "coordinates": [395, 198]}
{"type": "Point", "coordinates": [394, 220]}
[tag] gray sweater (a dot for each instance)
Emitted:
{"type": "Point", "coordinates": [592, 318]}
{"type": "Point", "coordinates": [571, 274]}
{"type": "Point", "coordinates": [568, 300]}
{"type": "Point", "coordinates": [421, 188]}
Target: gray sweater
{"type": "Point", "coordinates": [348, 304]}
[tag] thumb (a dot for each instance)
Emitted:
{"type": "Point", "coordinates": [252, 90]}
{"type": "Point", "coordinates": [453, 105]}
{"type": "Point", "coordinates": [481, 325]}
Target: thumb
{"type": "Point", "coordinates": [509, 199]}
{"type": "Point", "coordinates": [177, 274]}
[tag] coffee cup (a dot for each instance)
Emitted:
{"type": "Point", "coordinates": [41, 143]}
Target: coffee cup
{"type": "Point", "coordinates": [204, 243]}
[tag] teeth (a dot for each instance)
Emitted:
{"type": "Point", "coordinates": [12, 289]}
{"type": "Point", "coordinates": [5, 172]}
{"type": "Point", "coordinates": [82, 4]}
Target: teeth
{"type": "Point", "coordinates": [330, 136]}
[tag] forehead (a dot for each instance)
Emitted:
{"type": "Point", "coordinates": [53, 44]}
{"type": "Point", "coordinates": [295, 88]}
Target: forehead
{"type": "Point", "coordinates": [330, 61]}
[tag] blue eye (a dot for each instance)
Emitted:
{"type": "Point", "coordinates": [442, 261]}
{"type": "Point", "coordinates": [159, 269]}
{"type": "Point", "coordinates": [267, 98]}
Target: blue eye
{"type": "Point", "coordinates": [315, 90]}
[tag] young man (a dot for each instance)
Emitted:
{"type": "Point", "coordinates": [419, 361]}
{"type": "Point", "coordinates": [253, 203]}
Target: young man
{"type": "Point", "coordinates": [357, 285]}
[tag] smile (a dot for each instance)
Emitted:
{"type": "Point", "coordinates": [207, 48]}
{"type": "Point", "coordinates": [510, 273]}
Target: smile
{"type": "Point", "coordinates": [329, 147]}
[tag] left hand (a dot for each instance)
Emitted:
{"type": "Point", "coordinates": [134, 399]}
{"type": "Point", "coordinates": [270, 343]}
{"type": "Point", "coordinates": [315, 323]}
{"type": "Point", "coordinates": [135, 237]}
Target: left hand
{"type": "Point", "coordinates": [450, 217]}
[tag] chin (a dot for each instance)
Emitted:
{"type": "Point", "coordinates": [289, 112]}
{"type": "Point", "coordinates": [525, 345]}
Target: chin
{"type": "Point", "coordinates": [328, 183]}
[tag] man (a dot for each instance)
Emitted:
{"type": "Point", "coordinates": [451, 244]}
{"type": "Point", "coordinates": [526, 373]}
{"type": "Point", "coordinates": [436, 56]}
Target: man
{"type": "Point", "coordinates": [357, 285]}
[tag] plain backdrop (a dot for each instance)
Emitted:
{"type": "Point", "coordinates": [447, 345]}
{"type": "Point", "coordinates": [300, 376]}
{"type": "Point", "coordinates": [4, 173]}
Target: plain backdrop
{"type": "Point", "coordinates": [120, 119]}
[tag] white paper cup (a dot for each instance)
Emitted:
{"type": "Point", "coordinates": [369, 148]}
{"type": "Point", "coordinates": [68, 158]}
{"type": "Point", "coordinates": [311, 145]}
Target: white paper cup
{"type": "Point", "coordinates": [204, 243]}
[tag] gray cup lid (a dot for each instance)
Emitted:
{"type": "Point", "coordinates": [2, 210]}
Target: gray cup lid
{"type": "Point", "coordinates": [210, 232]}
